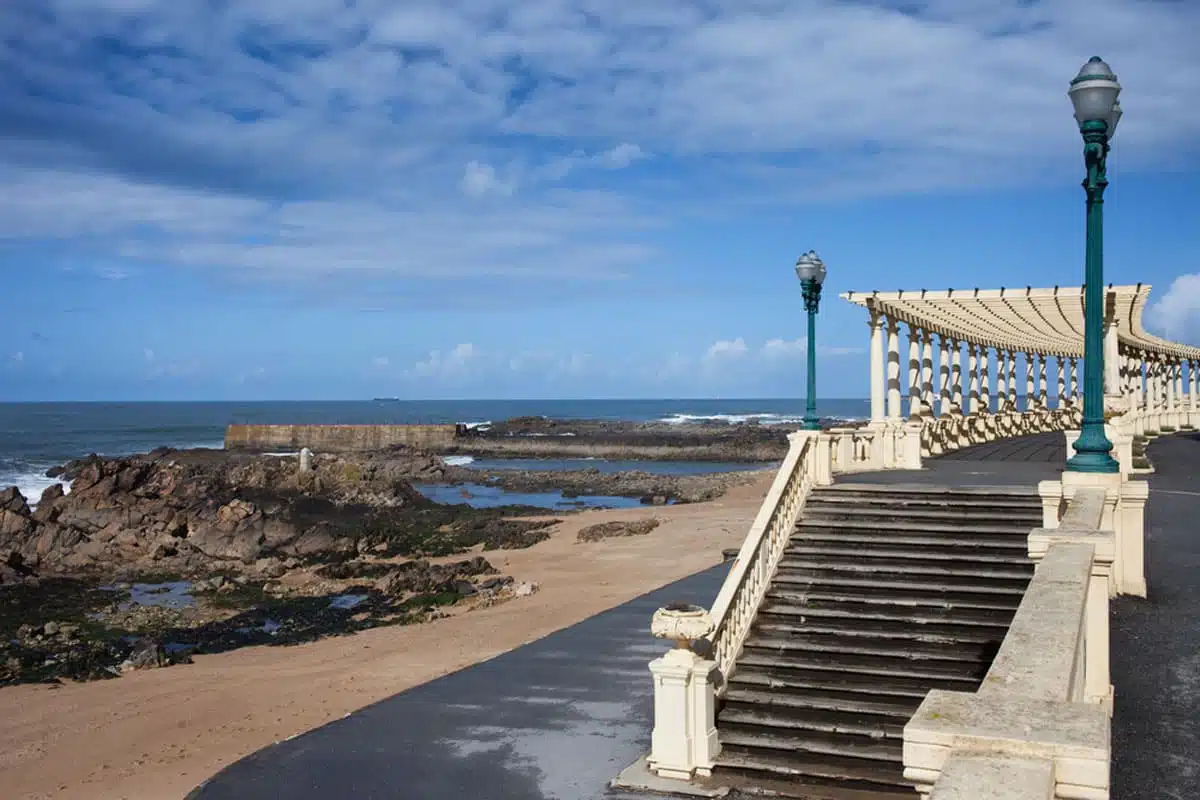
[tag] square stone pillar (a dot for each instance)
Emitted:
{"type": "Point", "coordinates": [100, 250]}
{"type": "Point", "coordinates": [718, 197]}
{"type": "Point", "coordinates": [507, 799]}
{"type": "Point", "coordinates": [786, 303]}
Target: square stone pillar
{"type": "Point", "coordinates": [684, 741]}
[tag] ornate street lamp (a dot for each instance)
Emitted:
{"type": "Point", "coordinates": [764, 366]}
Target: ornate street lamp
{"type": "Point", "coordinates": [1094, 94]}
{"type": "Point", "coordinates": [811, 272]}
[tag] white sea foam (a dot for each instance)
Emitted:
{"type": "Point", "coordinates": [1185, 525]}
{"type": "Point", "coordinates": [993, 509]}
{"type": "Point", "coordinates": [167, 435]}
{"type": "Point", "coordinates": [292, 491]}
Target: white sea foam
{"type": "Point", "coordinates": [31, 484]}
{"type": "Point", "coordinates": [740, 419]}
{"type": "Point", "coordinates": [480, 426]}
{"type": "Point", "coordinates": [458, 461]}
{"type": "Point", "coordinates": [733, 419]}
{"type": "Point", "coordinates": [283, 454]}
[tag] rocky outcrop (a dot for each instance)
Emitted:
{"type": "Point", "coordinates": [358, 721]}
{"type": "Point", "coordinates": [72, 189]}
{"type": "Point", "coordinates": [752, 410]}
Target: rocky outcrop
{"type": "Point", "coordinates": [191, 511]}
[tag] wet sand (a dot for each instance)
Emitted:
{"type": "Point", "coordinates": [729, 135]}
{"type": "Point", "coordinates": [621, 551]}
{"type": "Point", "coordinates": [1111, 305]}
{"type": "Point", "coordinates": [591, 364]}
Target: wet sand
{"type": "Point", "coordinates": [155, 735]}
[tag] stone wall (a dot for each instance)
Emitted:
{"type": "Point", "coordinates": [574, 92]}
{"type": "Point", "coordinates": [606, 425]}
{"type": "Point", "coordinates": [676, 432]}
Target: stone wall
{"type": "Point", "coordinates": [338, 438]}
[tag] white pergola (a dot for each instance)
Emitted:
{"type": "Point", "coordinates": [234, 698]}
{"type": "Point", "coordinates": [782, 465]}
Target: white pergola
{"type": "Point", "coordinates": [1143, 373]}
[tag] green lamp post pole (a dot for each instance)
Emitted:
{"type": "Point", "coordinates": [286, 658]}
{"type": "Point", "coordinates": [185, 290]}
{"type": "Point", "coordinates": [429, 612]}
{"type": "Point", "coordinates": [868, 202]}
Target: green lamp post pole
{"type": "Point", "coordinates": [1094, 94]}
{"type": "Point", "coordinates": [811, 272]}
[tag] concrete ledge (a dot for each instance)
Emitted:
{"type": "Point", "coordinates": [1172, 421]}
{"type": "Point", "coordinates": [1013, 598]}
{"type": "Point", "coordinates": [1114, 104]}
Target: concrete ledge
{"type": "Point", "coordinates": [995, 778]}
{"type": "Point", "coordinates": [1037, 657]}
{"type": "Point", "coordinates": [1075, 736]}
{"type": "Point", "coordinates": [637, 777]}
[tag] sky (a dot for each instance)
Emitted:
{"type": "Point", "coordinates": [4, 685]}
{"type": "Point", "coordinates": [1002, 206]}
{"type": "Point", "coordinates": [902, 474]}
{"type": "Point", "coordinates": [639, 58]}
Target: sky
{"type": "Point", "coordinates": [345, 199]}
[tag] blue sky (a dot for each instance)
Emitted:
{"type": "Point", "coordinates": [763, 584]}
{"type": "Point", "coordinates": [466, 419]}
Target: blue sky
{"type": "Point", "coordinates": [328, 199]}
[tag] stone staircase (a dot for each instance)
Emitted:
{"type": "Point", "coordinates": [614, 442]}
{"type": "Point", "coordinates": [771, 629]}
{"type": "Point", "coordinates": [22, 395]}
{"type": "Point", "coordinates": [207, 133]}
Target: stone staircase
{"type": "Point", "coordinates": [885, 592]}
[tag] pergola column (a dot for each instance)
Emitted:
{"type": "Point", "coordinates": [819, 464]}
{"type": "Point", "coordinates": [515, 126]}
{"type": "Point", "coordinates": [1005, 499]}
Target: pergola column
{"type": "Point", "coordinates": [1060, 384]}
{"type": "Point", "coordinates": [893, 367]}
{"type": "Point", "coordinates": [1029, 391]}
{"type": "Point", "coordinates": [1012, 380]}
{"type": "Point", "coordinates": [943, 375]}
{"type": "Point", "coordinates": [1112, 377]}
{"type": "Point", "coordinates": [1041, 395]}
{"type": "Point", "coordinates": [1193, 384]}
{"type": "Point", "coordinates": [1139, 386]}
{"type": "Point", "coordinates": [878, 368]}
{"type": "Point", "coordinates": [1179, 381]}
{"type": "Point", "coordinates": [956, 397]}
{"type": "Point", "coordinates": [973, 370]}
{"type": "Point", "coordinates": [985, 394]}
{"type": "Point", "coordinates": [926, 373]}
{"type": "Point", "coordinates": [1001, 381]}
{"type": "Point", "coordinates": [914, 371]}
{"type": "Point", "coordinates": [1169, 379]}
{"type": "Point", "coordinates": [1073, 390]}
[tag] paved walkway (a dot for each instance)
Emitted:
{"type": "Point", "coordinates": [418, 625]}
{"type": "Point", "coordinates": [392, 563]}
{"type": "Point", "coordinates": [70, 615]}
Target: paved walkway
{"type": "Point", "coordinates": [1156, 641]}
{"type": "Point", "coordinates": [558, 718]}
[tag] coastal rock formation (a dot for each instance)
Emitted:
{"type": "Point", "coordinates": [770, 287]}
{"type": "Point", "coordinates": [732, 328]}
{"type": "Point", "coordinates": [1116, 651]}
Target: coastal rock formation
{"type": "Point", "coordinates": [194, 512]}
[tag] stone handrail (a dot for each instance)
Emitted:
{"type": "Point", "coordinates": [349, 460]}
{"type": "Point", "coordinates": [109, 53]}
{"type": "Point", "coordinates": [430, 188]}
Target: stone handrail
{"type": "Point", "coordinates": [737, 603]}
{"type": "Point", "coordinates": [852, 449]}
{"type": "Point", "coordinates": [1039, 725]}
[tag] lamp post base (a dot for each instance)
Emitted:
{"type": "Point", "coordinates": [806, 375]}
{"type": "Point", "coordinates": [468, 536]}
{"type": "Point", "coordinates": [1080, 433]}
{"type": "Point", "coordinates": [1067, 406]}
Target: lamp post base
{"type": "Point", "coordinates": [810, 424]}
{"type": "Point", "coordinates": [1092, 461]}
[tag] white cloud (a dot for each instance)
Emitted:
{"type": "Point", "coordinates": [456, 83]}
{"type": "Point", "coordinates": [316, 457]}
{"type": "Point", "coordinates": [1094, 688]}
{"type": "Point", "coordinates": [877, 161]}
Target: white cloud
{"type": "Point", "coordinates": [1176, 315]}
{"type": "Point", "coordinates": [352, 158]}
{"type": "Point", "coordinates": [148, 354]}
{"type": "Point", "coordinates": [778, 349]}
{"type": "Point", "coordinates": [454, 364]}
{"type": "Point", "coordinates": [380, 361]}
{"type": "Point", "coordinates": [619, 157]}
{"type": "Point", "coordinates": [18, 356]}
{"type": "Point", "coordinates": [480, 180]}
{"type": "Point", "coordinates": [726, 349]}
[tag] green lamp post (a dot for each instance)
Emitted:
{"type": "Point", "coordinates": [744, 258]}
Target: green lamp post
{"type": "Point", "coordinates": [1094, 94]}
{"type": "Point", "coordinates": [811, 272]}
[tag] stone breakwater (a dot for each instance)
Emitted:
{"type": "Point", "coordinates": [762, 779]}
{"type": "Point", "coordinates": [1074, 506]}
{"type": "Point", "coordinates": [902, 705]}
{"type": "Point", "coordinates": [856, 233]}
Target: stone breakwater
{"type": "Point", "coordinates": [339, 438]}
{"type": "Point", "coordinates": [533, 437]}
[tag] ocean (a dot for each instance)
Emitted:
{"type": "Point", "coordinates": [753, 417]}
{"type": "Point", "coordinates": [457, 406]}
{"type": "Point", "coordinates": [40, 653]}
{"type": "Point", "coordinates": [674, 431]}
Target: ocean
{"type": "Point", "coordinates": [37, 436]}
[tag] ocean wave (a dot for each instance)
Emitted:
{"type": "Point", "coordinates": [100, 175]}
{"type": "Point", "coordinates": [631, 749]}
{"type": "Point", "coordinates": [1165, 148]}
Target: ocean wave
{"type": "Point", "coordinates": [741, 419]}
{"type": "Point", "coordinates": [458, 461]}
{"type": "Point", "coordinates": [477, 426]}
{"type": "Point", "coordinates": [733, 419]}
{"type": "Point", "coordinates": [32, 484]}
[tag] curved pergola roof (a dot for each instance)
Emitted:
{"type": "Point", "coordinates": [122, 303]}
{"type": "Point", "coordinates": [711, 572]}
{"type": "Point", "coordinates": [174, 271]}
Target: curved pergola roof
{"type": "Point", "coordinates": [1048, 321]}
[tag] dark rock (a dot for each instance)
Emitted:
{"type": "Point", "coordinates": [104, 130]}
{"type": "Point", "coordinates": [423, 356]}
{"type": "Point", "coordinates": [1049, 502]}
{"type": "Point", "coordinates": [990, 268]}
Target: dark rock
{"type": "Point", "coordinates": [609, 530]}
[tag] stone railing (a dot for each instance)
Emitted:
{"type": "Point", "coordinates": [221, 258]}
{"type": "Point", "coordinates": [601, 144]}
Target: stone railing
{"type": "Point", "coordinates": [737, 603]}
{"type": "Point", "coordinates": [950, 432]}
{"type": "Point", "coordinates": [1039, 726]}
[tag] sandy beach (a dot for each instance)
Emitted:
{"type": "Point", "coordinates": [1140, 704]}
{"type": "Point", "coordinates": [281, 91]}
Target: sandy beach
{"type": "Point", "coordinates": [154, 735]}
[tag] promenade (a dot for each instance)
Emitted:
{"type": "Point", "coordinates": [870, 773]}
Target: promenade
{"type": "Point", "coordinates": [558, 718]}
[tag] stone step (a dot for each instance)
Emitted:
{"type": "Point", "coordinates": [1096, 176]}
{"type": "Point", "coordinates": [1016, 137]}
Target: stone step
{"type": "Point", "coordinates": [773, 774]}
{"type": "Point", "coordinates": [900, 595]}
{"type": "Point", "coordinates": [770, 624]}
{"type": "Point", "coordinates": [884, 614]}
{"type": "Point", "coordinates": [804, 547]}
{"type": "Point", "coordinates": [867, 562]}
{"type": "Point", "coordinates": [968, 672]}
{"type": "Point", "coordinates": [805, 676]}
{"type": "Point", "coordinates": [789, 721]}
{"type": "Point", "coordinates": [967, 540]}
{"type": "Point", "coordinates": [910, 490]}
{"type": "Point", "coordinates": [931, 512]}
{"type": "Point", "coordinates": [812, 743]}
{"type": "Point", "coordinates": [817, 570]}
{"type": "Point", "coordinates": [801, 579]}
{"type": "Point", "coordinates": [903, 525]}
{"type": "Point", "coordinates": [835, 647]}
{"type": "Point", "coordinates": [853, 705]}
